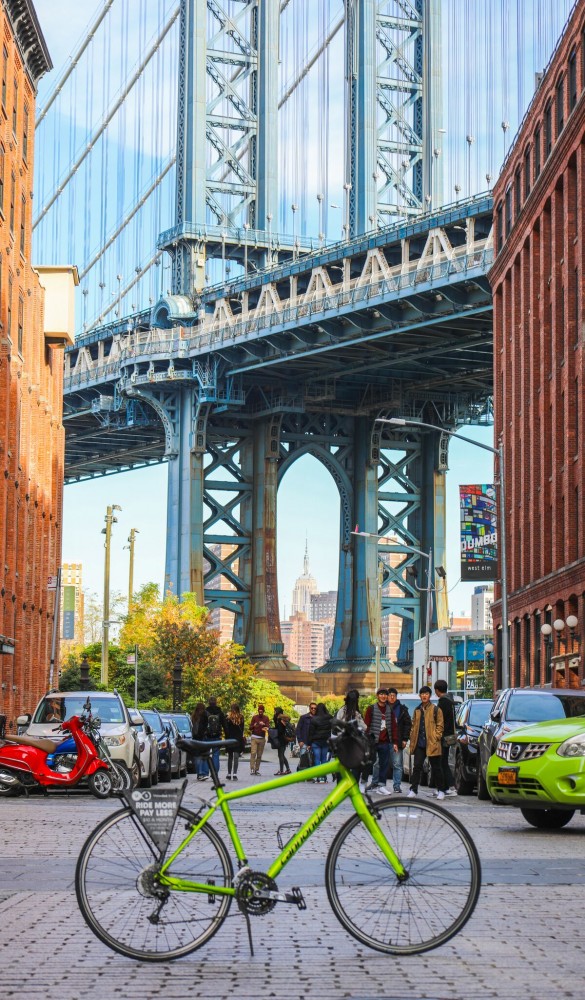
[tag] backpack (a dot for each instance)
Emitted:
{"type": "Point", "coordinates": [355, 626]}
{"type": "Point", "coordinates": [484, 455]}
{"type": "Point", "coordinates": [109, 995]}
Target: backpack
{"type": "Point", "coordinates": [290, 732]}
{"type": "Point", "coordinates": [213, 731]}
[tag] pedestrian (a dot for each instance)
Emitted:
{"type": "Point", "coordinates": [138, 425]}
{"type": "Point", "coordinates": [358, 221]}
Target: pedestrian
{"type": "Point", "coordinates": [234, 730]}
{"type": "Point", "coordinates": [280, 722]}
{"type": "Point", "coordinates": [259, 724]}
{"type": "Point", "coordinates": [215, 728]}
{"type": "Point", "coordinates": [379, 725]}
{"type": "Point", "coordinates": [449, 735]}
{"type": "Point", "coordinates": [199, 728]}
{"type": "Point", "coordinates": [318, 736]}
{"type": "Point", "coordinates": [425, 741]}
{"type": "Point", "coordinates": [302, 734]}
{"type": "Point", "coordinates": [401, 724]}
{"type": "Point", "coordinates": [349, 712]}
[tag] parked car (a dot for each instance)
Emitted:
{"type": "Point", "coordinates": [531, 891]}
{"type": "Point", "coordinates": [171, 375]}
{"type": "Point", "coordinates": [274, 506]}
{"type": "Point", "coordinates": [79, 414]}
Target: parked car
{"type": "Point", "coordinates": [162, 732]}
{"type": "Point", "coordinates": [518, 707]}
{"type": "Point", "coordinates": [540, 769]}
{"type": "Point", "coordinates": [183, 723]}
{"type": "Point", "coordinates": [116, 725]}
{"type": "Point", "coordinates": [469, 719]}
{"type": "Point", "coordinates": [148, 745]}
{"type": "Point", "coordinates": [178, 757]}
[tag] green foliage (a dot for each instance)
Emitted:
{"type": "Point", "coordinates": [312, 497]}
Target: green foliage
{"type": "Point", "coordinates": [333, 704]}
{"type": "Point", "coordinates": [267, 693]}
{"type": "Point", "coordinates": [485, 687]}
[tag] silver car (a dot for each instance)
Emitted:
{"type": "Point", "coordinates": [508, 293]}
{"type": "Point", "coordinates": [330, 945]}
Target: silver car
{"type": "Point", "coordinates": [148, 745]}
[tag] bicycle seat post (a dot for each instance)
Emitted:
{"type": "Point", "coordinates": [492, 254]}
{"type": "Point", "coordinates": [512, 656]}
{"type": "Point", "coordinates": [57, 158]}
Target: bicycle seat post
{"type": "Point", "coordinates": [214, 774]}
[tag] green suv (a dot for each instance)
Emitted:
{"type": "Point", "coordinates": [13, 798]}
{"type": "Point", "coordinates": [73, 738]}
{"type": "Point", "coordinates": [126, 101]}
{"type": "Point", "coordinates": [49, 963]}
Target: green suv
{"type": "Point", "coordinates": [541, 770]}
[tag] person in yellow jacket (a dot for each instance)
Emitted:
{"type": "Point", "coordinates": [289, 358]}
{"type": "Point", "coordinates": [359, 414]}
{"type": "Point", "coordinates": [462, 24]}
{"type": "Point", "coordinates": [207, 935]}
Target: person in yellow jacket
{"type": "Point", "coordinates": [426, 741]}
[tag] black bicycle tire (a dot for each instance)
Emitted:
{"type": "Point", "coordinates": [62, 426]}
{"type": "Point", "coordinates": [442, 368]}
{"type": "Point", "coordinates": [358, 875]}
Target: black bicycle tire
{"type": "Point", "coordinates": [434, 942]}
{"type": "Point", "coordinates": [107, 938]}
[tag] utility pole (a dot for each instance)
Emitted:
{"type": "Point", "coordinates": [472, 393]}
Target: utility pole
{"type": "Point", "coordinates": [107, 531]}
{"type": "Point", "coordinates": [131, 540]}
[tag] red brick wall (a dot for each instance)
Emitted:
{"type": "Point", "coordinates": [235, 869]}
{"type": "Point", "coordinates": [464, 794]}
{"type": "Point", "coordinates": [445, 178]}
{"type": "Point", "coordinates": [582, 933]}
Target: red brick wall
{"type": "Point", "coordinates": [31, 429]}
{"type": "Point", "coordinates": [539, 327]}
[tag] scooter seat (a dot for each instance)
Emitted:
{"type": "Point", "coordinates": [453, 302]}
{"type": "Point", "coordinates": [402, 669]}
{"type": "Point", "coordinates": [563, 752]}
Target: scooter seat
{"type": "Point", "coordinates": [47, 746]}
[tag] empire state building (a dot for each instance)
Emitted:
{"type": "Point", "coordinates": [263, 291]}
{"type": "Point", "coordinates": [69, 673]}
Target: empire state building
{"type": "Point", "coordinates": [304, 587]}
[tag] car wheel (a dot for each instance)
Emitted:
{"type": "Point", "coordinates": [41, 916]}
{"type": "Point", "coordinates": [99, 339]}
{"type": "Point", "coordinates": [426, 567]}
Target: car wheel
{"type": "Point", "coordinates": [146, 781]}
{"type": "Point", "coordinates": [463, 786]}
{"type": "Point", "coordinates": [482, 788]}
{"type": "Point", "coordinates": [548, 819]}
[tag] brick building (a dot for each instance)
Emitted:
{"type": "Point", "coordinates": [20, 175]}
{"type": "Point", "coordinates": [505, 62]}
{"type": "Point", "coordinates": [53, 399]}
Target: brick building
{"type": "Point", "coordinates": [539, 330]}
{"type": "Point", "coordinates": [36, 309]}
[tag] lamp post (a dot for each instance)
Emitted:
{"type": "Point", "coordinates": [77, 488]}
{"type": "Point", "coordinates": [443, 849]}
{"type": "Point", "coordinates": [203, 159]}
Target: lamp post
{"type": "Point", "coordinates": [499, 451]}
{"type": "Point", "coordinates": [177, 684]}
{"type": "Point", "coordinates": [546, 632]}
{"type": "Point", "coordinates": [107, 531]}
{"type": "Point", "coordinates": [131, 540]}
{"type": "Point", "coordinates": [84, 674]}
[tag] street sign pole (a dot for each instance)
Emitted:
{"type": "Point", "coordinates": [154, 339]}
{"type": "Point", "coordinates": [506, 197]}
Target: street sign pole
{"type": "Point", "coordinates": [56, 617]}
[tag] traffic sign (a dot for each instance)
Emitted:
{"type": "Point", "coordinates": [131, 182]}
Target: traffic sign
{"type": "Point", "coordinates": [51, 583]}
{"type": "Point", "coordinates": [440, 658]}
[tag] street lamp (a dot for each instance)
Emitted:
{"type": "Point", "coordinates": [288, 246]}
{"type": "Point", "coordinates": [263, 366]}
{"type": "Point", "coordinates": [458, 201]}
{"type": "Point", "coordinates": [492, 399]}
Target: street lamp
{"type": "Point", "coordinates": [546, 632]}
{"type": "Point", "coordinates": [177, 684]}
{"type": "Point", "coordinates": [499, 451]}
{"type": "Point", "coordinates": [107, 531]}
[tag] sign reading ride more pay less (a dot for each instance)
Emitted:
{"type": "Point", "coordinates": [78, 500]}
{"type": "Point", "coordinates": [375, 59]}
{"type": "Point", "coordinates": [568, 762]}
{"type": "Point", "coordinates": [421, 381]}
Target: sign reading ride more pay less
{"type": "Point", "coordinates": [156, 810]}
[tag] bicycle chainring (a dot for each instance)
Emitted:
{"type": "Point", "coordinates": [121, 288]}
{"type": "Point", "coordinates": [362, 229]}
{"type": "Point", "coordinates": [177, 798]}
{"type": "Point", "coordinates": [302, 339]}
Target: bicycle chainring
{"type": "Point", "coordinates": [248, 885]}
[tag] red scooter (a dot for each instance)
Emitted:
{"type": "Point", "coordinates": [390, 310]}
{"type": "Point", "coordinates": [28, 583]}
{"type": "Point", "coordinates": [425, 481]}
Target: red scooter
{"type": "Point", "coordinates": [23, 762]}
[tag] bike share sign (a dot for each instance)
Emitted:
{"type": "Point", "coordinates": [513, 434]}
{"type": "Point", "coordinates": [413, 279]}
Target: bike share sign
{"type": "Point", "coordinates": [156, 809]}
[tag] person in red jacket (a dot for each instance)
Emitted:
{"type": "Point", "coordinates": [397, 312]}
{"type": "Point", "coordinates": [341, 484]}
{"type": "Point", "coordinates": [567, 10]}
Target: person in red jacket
{"type": "Point", "coordinates": [258, 730]}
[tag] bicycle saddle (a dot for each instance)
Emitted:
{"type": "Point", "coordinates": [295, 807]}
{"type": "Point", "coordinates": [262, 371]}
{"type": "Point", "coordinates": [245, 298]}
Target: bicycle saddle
{"type": "Point", "coordinates": [198, 747]}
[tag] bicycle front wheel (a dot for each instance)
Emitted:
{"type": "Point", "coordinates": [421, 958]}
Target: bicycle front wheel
{"type": "Point", "coordinates": [421, 912]}
{"type": "Point", "coordinates": [120, 899]}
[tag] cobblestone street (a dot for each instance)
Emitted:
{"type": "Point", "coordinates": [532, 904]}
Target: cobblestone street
{"type": "Point", "coordinates": [522, 943]}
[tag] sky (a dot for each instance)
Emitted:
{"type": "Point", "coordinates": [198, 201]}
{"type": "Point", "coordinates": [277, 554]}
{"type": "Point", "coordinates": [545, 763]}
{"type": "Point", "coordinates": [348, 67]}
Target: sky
{"type": "Point", "coordinates": [85, 503]}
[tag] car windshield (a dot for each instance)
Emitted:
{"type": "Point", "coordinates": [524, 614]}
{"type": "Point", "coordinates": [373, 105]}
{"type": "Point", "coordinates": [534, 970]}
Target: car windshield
{"type": "Point", "coordinates": [182, 723]}
{"type": "Point", "coordinates": [154, 721]}
{"type": "Point", "coordinates": [479, 712]}
{"type": "Point", "coordinates": [542, 707]}
{"type": "Point", "coordinates": [109, 710]}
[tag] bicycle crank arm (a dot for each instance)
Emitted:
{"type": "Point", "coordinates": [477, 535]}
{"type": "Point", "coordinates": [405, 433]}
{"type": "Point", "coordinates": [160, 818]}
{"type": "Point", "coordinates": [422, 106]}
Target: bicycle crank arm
{"type": "Point", "coordinates": [295, 896]}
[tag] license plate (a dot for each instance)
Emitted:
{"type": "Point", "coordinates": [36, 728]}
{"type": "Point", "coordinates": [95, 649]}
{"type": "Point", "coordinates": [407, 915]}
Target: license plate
{"type": "Point", "coordinates": [508, 776]}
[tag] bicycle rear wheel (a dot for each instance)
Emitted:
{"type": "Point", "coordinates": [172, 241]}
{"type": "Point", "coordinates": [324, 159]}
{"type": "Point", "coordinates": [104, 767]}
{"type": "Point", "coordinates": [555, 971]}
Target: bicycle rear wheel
{"type": "Point", "coordinates": [121, 901]}
{"type": "Point", "coordinates": [431, 905]}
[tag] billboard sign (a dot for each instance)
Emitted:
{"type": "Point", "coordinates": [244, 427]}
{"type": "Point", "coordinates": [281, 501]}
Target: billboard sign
{"type": "Point", "coordinates": [68, 613]}
{"type": "Point", "coordinates": [479, 537]}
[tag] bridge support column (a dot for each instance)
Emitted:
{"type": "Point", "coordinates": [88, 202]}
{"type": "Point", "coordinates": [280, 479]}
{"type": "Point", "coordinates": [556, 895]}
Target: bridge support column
{"type": "Point", "coordinates": [184, 550]}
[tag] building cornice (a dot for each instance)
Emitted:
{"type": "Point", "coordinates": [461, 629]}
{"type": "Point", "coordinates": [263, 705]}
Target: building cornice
{"type": "Point", "coordinates": [29, 38]}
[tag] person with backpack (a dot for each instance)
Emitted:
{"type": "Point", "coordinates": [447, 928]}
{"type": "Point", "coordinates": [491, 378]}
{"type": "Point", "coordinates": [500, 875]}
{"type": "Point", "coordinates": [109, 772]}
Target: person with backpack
{"type": "Point", "coordinates": [426, 738]}
{"type": "Point", "coordinates": [281, 722]}
{"type": "Point", "coordinates": [447, 707]}
{"type": "Point", "coordinates": [199, 728]}
{"type": "Point", "coordinates": [216, 726]}
{"type": "Point", "coordinates": [234, 731]}
{"type": "Point", "coordinates": [319, 735]}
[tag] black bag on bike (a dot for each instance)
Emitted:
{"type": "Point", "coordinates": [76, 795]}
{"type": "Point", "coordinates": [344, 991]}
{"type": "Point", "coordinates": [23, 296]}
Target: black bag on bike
{"type": "Point", "coordinates": [352, 747]}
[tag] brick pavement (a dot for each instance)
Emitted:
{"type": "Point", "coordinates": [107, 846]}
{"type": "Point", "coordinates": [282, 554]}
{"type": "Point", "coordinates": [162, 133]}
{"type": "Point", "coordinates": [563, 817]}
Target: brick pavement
{"type": "Point", "coordinates": [522, 943]}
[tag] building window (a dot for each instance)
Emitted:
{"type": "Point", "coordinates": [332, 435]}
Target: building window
{"type": "Point", "coordinates": [22, 223]}
{"type": "Point", "coordinates": [517, 192]}
{"type": "Point", "coordinates": [9, 309]}
{"type": "Point", "coordinates": [15, 106]}
{"type": "Point", "coordinates": [20, 323]}
{"type": "Point", "coordinates": [537, 153]}
{"type": "Point", "coordinates": [2, 165]}
{"type": "Point", "coordinates": [12, 201]}
{"type": "Point", "coordinates": [560, 105]}
{"type": "Point", "coordinates": [572, 80]}
{"type": "Point", "coordinates": [500, 227]}
{"type": "Point", "coordinates": [547, 130]}
{"type": "Point", "coordinates": [576, 418]}
{"type": "Point", "coordinates": [25, 134]}
{"type": "Point", "coordinates": [508, 203]}
{"type": "Point", "coordinates": [527, 172]}
{"type": "Point", "coordinates": [4, 75]}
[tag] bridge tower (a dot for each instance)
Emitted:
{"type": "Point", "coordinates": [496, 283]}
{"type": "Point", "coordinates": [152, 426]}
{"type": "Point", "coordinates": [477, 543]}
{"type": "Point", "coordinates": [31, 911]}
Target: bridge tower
{"type": "Point", "coordinates": [226, 460]}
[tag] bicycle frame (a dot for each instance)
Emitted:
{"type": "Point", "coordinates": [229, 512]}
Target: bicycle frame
{"type": "Point", "coordinates": [347, 787]}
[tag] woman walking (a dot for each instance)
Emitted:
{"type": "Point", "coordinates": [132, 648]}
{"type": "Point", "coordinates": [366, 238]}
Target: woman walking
{"type": "Point", "coordinates": [234, 730]}
{"type": "Point", "coordinates": [318, 736]}
{"type": "Point", "coordinates": [199, 728]}
{"type": "Point", "coordinates": [349, 712]}
{"type": "Point", "coordinates": [280, 721]}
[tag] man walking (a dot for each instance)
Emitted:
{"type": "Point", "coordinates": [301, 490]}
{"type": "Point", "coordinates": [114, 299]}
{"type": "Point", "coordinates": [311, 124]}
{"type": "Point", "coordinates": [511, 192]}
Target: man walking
{"type": "Point", "coordinates": [425, 741]}
{"type": "Point", "coordinates": [302, 735]}
{"type": "Point", "coordinates": [400, 725]}
{"type": "Point", "coordinates": [378, 723]}
{"type": "Point", "coordinates": [258, 731]}
{"type": "Point", "coordinates": [215, 728]}
{"type": "Point", "coordinates": [447, 707]}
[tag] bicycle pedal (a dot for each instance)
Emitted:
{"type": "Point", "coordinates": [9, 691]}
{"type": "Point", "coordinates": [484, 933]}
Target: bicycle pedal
{"type": "Point", "coordinates": [298, 898]}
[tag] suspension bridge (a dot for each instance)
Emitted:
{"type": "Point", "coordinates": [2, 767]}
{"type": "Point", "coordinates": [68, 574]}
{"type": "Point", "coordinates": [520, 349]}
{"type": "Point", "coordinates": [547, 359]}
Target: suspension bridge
{"type": "Point", "coordinates": [269, 262]}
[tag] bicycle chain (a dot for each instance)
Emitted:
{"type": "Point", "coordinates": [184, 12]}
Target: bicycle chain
{"type": "Point", "coordinates": [247, 887]}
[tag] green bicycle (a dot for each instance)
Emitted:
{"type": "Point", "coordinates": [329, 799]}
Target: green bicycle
{"type": "Point", "coordinates": [402, 876]}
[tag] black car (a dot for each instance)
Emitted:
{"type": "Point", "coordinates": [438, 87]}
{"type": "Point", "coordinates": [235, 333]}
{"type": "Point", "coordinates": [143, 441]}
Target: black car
{"type": "Point", "coordinates": [161, 731]}
{"type": "Point", "coordinates": [515, 707]}
{"type": "Point", "coordinates": [469, 719]}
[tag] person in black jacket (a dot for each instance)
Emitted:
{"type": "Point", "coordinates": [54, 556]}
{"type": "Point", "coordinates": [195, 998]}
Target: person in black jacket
{"type": "Point", "coordinates": [234, 730]}
{"type": "Point", "coordinates": [318, 735]}
{"type": "Point", "coordinates": [199, 728]}
{"type": "Point", "coordinates": [447, 707]}
{"type": "Point", "coordinates": [280, 721]}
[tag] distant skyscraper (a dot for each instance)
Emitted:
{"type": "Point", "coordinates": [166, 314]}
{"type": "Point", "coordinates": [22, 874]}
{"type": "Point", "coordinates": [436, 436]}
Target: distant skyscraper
{"type": "Point", "coordinates": [221, 618]}
{"type": "Point", "coordinates": [304, 641]}
{"type": "Point", "coordinates": [323, 606]}
{"type": "Point", "coordinates": [304, 587]}
{"type": "Point", "coordinates": [481, 608]}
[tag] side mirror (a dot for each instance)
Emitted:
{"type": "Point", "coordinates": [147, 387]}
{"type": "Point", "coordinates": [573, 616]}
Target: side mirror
{"type": "Point", "coordinates": [495, 716]}
{"type": "Point", "coordinates": [147, 729]}
{"type": "Point", "coordinates": [23, 720]}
